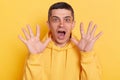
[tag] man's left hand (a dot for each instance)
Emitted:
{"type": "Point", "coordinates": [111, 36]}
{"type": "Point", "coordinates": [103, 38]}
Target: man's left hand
{"type": "Point", "coordinates": [87, 40]}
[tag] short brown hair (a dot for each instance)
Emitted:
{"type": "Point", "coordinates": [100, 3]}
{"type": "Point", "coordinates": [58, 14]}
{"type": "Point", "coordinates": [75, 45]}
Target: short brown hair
{"type": "Point", "coordinates": [60, 5]}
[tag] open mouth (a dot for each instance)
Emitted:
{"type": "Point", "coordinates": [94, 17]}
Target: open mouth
{"type": "Point", "coordinates": [61, 34]}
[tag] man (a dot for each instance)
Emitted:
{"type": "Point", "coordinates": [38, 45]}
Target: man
{"type": "Point", "coordinates": [61, 56]}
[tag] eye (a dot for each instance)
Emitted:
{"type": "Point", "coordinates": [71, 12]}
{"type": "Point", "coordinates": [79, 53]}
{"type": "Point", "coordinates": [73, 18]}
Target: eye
{"type": "Point", "coordinates": [67, 20]}
{"type": "Point", "coordinates": [55, 20]}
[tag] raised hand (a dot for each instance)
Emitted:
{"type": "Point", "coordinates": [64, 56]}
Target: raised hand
{"type": "Point", "coordinates": [87, 40]}
{"type": "Point", "coordinates": [32, 42]}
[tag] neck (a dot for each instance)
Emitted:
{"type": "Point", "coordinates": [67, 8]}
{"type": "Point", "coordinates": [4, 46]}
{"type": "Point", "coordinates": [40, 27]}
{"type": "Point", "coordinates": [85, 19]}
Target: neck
{"type": "Point", "coordinates": [60, 44]}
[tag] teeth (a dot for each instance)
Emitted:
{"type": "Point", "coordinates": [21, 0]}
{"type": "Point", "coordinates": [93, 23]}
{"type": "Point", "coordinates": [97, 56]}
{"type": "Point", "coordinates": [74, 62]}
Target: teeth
{"type": "Point", "coordinates": [61, 32]}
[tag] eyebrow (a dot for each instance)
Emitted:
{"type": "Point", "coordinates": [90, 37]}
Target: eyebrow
{"type": "Point", "coordinates": [68, 17]}
{"type": "Point", "coordinates": [54, 17]}
{"type": "Point", "coordinates": [64, 17]}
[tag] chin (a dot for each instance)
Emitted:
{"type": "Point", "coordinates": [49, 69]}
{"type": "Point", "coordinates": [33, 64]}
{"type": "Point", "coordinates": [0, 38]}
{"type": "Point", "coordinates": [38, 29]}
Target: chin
{"type": "Point", "coordinates": [62, 41]}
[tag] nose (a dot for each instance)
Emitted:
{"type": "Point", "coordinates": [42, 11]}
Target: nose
{"type": "Point", "coordinates": [61, 23]}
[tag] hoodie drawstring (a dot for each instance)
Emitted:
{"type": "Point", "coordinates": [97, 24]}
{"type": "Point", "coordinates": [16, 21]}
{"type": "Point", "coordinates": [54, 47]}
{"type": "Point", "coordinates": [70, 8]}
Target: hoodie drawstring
{"type": "Point", "coordinates": [66, 58]}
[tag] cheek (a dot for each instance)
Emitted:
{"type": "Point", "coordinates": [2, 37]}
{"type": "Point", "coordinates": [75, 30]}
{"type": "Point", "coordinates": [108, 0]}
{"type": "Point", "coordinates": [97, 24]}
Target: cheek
{"type": "Point", "coordinates": [69, 29]}
{"type": "Point", "coordinates": [53, 30]}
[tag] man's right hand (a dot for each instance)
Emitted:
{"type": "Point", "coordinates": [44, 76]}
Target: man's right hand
{"type": "Point", "coordinates": [32, 42]}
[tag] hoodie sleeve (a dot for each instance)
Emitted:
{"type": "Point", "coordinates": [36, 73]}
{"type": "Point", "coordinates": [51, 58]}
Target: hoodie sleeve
{"type": "Point", "coordinates": [91, 69]}
{"type": "Point", "coordinates": [33, 67]}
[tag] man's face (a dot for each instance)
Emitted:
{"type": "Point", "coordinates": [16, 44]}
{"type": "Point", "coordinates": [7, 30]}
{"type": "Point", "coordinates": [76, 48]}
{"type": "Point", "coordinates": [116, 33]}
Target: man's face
{"type": "Point", "coordinates": [61, 24]}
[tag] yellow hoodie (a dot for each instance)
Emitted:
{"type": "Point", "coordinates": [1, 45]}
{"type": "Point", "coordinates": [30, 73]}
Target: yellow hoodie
{"type": "Point", "coordinates": [66, 63]}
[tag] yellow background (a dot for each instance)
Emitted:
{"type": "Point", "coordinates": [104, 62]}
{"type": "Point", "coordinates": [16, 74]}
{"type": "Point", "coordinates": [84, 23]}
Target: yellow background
{"type": "Point", "coordinates": [15, 14]}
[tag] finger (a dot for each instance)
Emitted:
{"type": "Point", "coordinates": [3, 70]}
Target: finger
{"type": "Point", "coordinates": [98, 35]}
{"type": "Point", "coordinates": [93, 30]}
{"type": "Point", "coordinates": [47, 41]}
{"type": "Point", "coordinates": [21, 38]}
{"type": "Point", "coordinates": [82, 30]}
{"type": "Point", "coordinates": [30, 31]}
{"type": "Point", "coordinates": [89, 27]}
{"type": "Point", "coordinates": [74, 41]}
{"type": "Point", "coordinates": [26, 34]}
{"type": "Point", "coordinates": [38, 31]}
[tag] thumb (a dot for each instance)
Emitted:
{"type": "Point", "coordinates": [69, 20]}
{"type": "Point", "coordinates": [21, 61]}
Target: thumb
{"type": "Point", "coordinates": [47, 41]}
{"type": "Point", "coordinates": [74, 41]}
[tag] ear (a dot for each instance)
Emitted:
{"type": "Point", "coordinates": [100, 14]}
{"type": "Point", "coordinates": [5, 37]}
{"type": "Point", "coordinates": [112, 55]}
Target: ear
{"type": "Point", "coordinates": [48, 24]}
{"type": "Point", "coordinates": [73, 24]}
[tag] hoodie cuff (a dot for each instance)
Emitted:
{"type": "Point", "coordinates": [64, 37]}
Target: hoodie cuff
{"type": "Point", "coordinates": [34, 58]}
{"type": "Point", "coordinates": [87, 57]}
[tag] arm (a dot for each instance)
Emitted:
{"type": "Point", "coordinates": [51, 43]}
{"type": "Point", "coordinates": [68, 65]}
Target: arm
{"type": "Point", "coordinates": [33, 67]}
{"type": "Point", "coordinates": [90, 67]}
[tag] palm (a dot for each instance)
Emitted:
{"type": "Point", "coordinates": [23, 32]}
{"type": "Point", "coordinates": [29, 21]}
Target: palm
{"type": "Point", "coordinates": [87, 40]}
{"type": "Point", "coordinates": [32, 42]}
{"type": "Point", "coordinates": [85, 44]}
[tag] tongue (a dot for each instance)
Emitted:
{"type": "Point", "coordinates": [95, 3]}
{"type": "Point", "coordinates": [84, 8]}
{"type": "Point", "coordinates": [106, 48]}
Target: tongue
{"type": "Point", "coordinates": [61, 35]}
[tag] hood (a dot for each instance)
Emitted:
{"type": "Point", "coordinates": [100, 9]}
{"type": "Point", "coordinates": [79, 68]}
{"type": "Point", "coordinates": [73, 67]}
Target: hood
{"type": "Point", "coordinates": [56, 49]}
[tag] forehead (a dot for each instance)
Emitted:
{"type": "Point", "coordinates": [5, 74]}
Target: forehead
{"type": "Point", "coordinates": [61, 13]}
